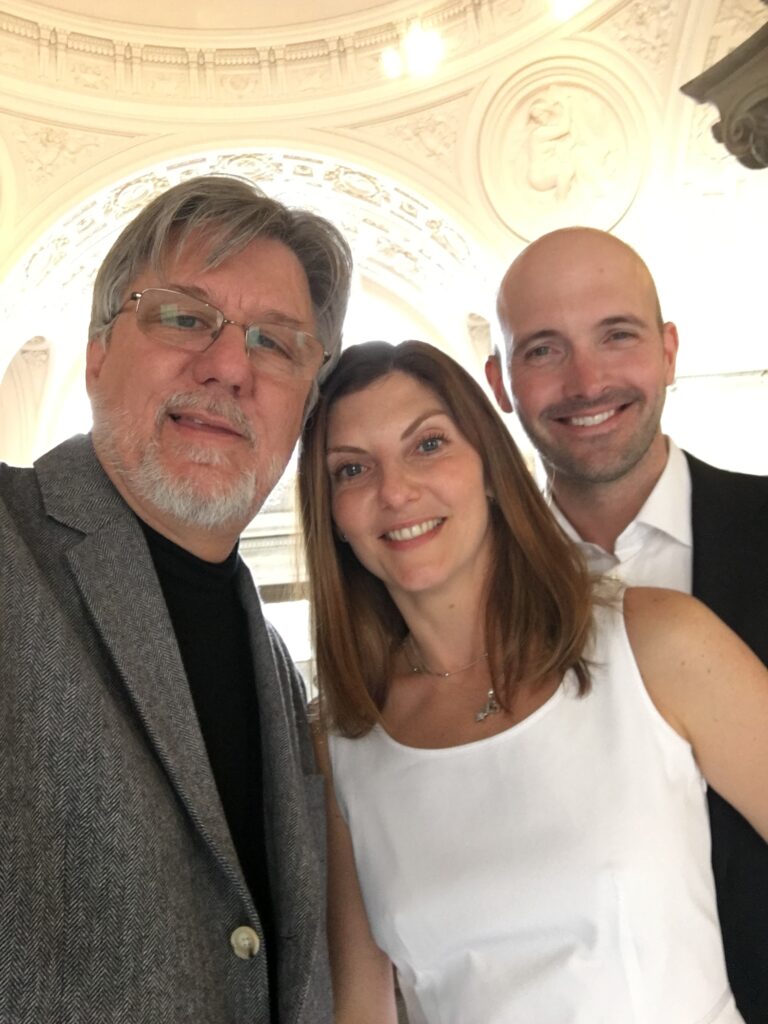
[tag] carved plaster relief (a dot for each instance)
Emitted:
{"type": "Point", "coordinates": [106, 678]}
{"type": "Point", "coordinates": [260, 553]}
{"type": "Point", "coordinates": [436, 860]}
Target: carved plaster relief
{"type": "Point", "coordinates": [257, 167]}
{"type": "Point", "coordinates": [733, 94]}
{"type": "Point", "coordinates": [186, 64]}
{"type": "Point", "coordinates": [645, 29]}
{"type": "Point", "coordinates": [308, 67]}
{"type": "Point", "coordinates": [43, 155]}
{"type": "Point", "coordinates": [391, 228]}
{"type": "Point", "coordinates": [90, 63]}
{"type": "Point", "coordinates": [50, 150]}
{"type": "Point", "coordinates": [449, 240]}
{"type": "Point", "coordinates": [736, 20]}
{"type": "Point", "coordinates": [21, 394]}
{"type": "Point", "coordinates": [559, 149]}
{"type": "Point", "coordinates": [457, 30]}
{"type": "Point", "coordinates": [237, 75]}
{"type": "Point", "coordinates": [428, 138]}
{"type": "Point", "coordinates": [125, 200]}
{"type": "Point", "coordinates": [19, 49]}
{"type": "Point", "coordinates": [479, 331]}
{"type": "Point", "coordinates": [365, 51]}
{"type": "Point", "coordinates": [165, 72]}
{"type": "Point", "coordinates": [507, 13]}
{"type": "Point", "coordinates": [395, 258]}
{"type": "Point", "coordinates": [434, 135]}
{"type": "Point", "coordinates": [710, 170]}
{"type": "Point", "coordinates": [738, 86]}
{"type": "Point", "coordinates": [358, 185]}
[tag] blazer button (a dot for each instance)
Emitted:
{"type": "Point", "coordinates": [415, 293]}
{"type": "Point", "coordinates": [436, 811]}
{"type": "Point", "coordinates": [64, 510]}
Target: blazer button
{"type": "Point", "coordinates": [245, 942]}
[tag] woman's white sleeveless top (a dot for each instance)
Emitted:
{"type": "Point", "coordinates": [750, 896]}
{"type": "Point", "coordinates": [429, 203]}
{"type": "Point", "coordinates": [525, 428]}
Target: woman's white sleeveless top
{"type": "Point", "coordinates": [557, 873]}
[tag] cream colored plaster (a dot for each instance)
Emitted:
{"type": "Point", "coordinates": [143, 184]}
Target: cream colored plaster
{"type": "Point", "coordinates": [528, 124]}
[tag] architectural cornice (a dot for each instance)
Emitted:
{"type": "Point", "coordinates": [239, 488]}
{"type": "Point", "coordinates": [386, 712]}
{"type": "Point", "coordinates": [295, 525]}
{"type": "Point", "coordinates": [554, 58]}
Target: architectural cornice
{"type": "Point", "coordinates": [254, 65]}
{"type": "Point", "coordinates": [738, 86]}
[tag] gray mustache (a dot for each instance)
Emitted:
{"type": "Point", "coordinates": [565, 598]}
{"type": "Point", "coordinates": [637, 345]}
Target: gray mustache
{"type": "Point", "coordinates": [225, 408]}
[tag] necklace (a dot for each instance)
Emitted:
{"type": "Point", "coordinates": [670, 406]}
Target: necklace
{"type": "Point", "coordinates": [491, 706]}
{"type": "Point", "coordinates": [424, 671]}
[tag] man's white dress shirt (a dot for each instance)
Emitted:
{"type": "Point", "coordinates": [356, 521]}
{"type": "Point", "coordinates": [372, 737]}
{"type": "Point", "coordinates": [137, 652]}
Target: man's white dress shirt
{"type": "Point", "coordinates": [656, 549]}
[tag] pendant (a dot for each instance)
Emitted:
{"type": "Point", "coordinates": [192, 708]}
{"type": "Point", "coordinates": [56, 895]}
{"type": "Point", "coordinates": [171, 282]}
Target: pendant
{"type": "Point", "coordinates": [491, 707]}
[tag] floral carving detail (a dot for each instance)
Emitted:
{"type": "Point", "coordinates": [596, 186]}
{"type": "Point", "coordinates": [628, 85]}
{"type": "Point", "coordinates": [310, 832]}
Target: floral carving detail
{"type": "Point", "coordinates": [239, 85]}
{"type": "Point", "coordinates": [645, 29]}
{"type": "Point", "coordinates": [435, 134]}
{"type": "Point", "coordinates": [256, 166]}
{"type": "Point", "coordinates": [49, 150]}
{"type": "Point", "coordinates": [397, 259]}
{"type": "Point", "coordinates": [448, 239]}
{"type": "Point", "coordinates": [358, 185]}
{"type": "Point", "coordinates": [92, 75]}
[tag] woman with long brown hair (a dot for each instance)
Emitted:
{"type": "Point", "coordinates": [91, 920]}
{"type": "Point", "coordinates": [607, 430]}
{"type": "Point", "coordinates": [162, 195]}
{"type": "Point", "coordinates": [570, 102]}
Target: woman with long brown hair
{"type": "Point", "coordinates": [517, 817]}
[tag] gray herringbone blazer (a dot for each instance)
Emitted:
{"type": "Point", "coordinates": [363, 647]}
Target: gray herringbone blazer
{"type": "Point", "coordinates": [119, 884]}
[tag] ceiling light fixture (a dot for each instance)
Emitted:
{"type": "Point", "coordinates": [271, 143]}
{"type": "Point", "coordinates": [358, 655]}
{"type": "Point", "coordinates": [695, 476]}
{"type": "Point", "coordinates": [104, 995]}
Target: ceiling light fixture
{"type": "Point", "coordinates": [419, 54]}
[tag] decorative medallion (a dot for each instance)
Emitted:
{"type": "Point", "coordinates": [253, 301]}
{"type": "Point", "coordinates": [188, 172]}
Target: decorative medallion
{"type": "Point", "coordinates": [559, 146]}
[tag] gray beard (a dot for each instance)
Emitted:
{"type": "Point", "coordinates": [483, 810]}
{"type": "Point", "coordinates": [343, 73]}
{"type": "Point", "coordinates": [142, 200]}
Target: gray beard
{"type": "Point", "coordinates": [231, 503]}
{"type": "Point", "coordinates": [182, 498]}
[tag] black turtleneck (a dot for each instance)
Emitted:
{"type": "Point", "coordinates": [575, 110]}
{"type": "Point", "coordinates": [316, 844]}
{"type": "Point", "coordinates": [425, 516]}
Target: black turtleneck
{"type": "Point", "coordinates": [212, 633]}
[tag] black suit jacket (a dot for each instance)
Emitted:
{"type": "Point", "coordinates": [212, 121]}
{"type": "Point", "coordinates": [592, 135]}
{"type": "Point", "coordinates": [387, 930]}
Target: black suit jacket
{"type": "Point", "coordinates": [729, 513]}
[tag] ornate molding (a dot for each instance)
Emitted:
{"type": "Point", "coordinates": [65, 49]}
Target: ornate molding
{"type": "Point", "coordinates": [189, 66]}
{"type": "Point", "coordinates": [402, 241]}
{"type": "Point", "coordinates": [645, 29]}
{"type": "Point", "coordinates": [738, 86]}
{"type": "Point", "coordinates": [340, 189]}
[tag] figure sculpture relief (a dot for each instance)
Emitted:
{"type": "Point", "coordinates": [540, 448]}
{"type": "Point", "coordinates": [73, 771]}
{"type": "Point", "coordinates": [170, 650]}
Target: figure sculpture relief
{"type": "Point", "coordinates": [565, 154]}
{"type": "Point", "coordinates": [565, 158]}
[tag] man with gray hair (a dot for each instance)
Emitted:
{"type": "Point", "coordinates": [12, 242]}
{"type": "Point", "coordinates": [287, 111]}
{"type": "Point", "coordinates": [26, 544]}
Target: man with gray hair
{"type": "Point", "coordinates": [161, 822]}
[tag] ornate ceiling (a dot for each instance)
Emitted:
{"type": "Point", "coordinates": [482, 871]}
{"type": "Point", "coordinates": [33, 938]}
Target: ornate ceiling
{"type": "Point", "coordinates": [529, 123]}
{"type": "Point", "coordinates": [226, 14]}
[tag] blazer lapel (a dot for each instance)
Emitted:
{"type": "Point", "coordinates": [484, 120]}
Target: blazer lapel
{"type": "Point", "coordinates": [116, 578]}
{"type": "Point", "coordinates": [710, 541]}
{"type": "Point", "coordinates": [296, 874]}
{"type": "Point", "coordinates": [728, 515]}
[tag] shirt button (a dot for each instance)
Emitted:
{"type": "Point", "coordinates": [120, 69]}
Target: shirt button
{"type": "Point", "coordinates": [245, 942]}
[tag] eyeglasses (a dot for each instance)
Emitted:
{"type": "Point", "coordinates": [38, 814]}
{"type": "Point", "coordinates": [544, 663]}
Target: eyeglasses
{"type": "Point", "coordinates": [177, 319]}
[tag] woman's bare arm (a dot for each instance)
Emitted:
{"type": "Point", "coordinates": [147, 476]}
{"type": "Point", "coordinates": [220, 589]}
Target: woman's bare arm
{"type": "Point", "coordinates": [362, 975]}
{"type": "Point", "coordinates": [711, 688]}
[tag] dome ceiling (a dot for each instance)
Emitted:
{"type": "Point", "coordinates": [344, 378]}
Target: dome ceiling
{"type": "Point", "coordinates": [531, 122]}
{"type": "Point", "coordinates": [223, 14]}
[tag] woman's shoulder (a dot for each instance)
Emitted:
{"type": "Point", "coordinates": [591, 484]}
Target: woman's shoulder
{"type": "Point", "coordinates": [651, 615]}
{"type": "Point", "coordinates": [658, 615]}
{"type": "Point", "coordinates": [684, 652]}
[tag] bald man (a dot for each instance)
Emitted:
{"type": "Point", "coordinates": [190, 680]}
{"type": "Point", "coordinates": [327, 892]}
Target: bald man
{"type": "Point", "coordinates": [587, 361]}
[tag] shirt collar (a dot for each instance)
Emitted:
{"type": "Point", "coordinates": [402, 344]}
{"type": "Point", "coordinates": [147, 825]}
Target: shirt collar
{"type": "Point", "coordinates": [667, 508]}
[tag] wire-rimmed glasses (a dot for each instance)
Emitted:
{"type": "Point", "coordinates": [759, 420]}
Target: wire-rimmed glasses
{"type": "Point", "coordinates": [174, 318]}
